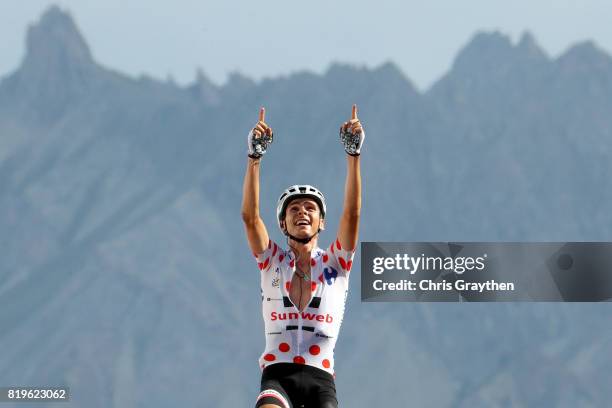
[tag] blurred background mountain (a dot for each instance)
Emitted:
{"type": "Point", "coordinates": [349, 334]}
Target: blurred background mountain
{"type": "Point", "coordinates": [125, 272]}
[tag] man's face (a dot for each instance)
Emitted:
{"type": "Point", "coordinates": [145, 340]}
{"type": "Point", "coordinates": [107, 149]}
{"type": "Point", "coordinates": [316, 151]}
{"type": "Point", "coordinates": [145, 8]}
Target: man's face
{"type": "Point", "coordinates": [303, 217]}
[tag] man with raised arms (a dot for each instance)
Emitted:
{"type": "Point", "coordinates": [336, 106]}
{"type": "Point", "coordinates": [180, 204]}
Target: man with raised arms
{"type": "Point", "coordinates": [303, 287]}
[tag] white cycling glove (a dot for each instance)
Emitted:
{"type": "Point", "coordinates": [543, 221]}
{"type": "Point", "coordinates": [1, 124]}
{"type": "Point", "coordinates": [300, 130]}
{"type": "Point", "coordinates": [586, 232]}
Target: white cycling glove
{"type": "Point", "coordinates": [257, 146]}
{"type": "Point", "coordinates": [352, 142]}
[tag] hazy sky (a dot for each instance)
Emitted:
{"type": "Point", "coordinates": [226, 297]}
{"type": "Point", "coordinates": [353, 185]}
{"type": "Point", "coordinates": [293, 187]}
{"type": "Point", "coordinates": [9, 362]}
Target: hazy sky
{"type": "Point", "coordinates": [270, 38]}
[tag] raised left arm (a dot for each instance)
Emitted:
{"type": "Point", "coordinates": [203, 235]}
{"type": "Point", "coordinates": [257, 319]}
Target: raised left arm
{"type": "Point", "coordinates": [348, 230]}
{"type": "Point", "coordinates": [352, 135]}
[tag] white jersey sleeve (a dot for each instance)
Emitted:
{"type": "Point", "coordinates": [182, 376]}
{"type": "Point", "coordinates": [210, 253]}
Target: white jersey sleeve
{"type": "Point", "coordinates": [269, 256]}
{"type": "Point", "coordinates": [340, 258]}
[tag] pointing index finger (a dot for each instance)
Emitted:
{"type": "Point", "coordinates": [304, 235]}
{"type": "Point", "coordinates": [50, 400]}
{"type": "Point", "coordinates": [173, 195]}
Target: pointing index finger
{"type": "Point", "coordinates": [354, 113]}
{"type": "Point", "coordinates": [262, 114]}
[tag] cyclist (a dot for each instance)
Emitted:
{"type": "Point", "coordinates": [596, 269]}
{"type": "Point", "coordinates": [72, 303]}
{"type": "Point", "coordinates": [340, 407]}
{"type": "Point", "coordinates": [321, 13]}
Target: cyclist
{"type": "Point", "coordinates": [303, 287]}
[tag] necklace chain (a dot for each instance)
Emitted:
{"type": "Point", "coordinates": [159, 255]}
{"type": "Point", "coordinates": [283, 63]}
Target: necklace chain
{"type": "Point", "coordinates": [301, 274]}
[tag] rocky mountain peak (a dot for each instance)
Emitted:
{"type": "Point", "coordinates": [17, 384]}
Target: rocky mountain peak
{"type": "Point", "coordinates": [483, 49]}
{"type": "Point", "coordinates": [204, 89]}
{"type": "Point", "coordinates": [57, 70]}
{"type": "Point", "coordinates": [585, 56]}
{"type": "Point", "coordinates": [55, 42]}
{"type": "Point", "coordinates": [528, 46]}
{"type": "Point", "coordinates": [489, 50]}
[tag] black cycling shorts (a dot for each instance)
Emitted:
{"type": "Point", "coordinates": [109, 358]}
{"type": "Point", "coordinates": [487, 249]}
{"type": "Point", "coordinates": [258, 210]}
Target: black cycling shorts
{"type": "Point", "coordinates": [291, 385]}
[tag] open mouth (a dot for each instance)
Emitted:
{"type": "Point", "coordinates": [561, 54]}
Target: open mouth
{"type": "Point", "coordinates": [302, 223]}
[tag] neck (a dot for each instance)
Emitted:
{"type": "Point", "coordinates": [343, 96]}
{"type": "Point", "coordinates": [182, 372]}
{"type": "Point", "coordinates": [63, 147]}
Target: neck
{"type": "Point", "coordinates": [303, 251]}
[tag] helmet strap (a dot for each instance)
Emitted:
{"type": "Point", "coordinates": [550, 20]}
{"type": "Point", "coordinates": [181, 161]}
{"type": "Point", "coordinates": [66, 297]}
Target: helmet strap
{"type": "Point", "coordinates": [302, 240]}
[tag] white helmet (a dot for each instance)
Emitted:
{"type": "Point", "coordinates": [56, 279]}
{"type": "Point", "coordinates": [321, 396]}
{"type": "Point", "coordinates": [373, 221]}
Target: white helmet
{"type": "Point", "coordinates": [298, 191]}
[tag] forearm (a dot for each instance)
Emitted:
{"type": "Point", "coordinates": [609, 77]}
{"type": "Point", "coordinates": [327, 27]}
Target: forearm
{"type": "Point", "coordinates": [250, 192]}
{"type": "Point", "coordinates": [352, 188]}
{"type": "Point", "coordinates": [348, 231]}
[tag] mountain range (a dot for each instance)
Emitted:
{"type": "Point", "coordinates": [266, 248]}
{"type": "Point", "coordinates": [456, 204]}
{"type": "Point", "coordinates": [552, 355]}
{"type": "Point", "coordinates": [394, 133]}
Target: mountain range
{"type": "Point", "coordinates": [126, 274]}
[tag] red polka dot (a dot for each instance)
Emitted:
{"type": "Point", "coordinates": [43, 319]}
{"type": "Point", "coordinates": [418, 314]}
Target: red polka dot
{"type": "Point", "coordinates": [299, 360]}
{"type": "Point", "coordinates": [269, 357]}
{"type": "Point", "coordinates": [281, 257]}
{"type": "Point", "coordinates": [338, 244]}
{"type": "Point", "coordinates": [325, 258]}
{"type": "Point", "coordinates": [274, 252]}
{"type": "Point", "coordinates": [314, 349]}
{"type": "Point", "coordinates": [321, 278]}
{"type": "Point", "coordinates": [260, 265]}
{"type": "Point", "coordinates": [331, 248]}
{"type": "Point", "coordinates": [266, 263]}
{"type": "Point", "coordinates": [326, 363]}
{"type": "Point", "coordinates": [313, 262]}
{"type": "Point", "coordinates": [292, 263]}
{"type": "Point", "coordinates": [349, 264]}
{"type": "Point", "coordinates": [284, 347]}
{"type": "Point", "coordinates": [288, 286]}
{"type": "Point", "coordinates": [269, 244]}
{"type": "Point", "coordinates": [313, 286]}
{"type": "Point", "coordinates": [342, 262]}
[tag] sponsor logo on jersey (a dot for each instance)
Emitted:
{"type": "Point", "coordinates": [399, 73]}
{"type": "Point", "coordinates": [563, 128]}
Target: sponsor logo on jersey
{"type": "Point", "coordinates": [275, 282]}
{"type": "Point", "coordinates": [326, 318]}
{"type": "Point", "coordinates": [330, 275]}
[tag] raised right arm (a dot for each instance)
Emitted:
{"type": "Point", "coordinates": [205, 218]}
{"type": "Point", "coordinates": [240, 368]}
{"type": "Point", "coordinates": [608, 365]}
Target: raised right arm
{"type": "Point", "coordinates": [255, 228]}
{"type": "Point", "coordinates": [258, 140]}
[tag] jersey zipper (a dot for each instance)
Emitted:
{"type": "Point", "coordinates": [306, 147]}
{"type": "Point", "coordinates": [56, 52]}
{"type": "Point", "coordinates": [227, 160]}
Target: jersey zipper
{"type": "Point", "coordinates": [300, 337]}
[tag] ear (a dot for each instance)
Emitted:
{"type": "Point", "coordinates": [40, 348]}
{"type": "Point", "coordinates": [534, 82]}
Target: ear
{"type": "Point", "coordinates": [322, 224]}
{"type": "Point", "coordinates": [283, 226]}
